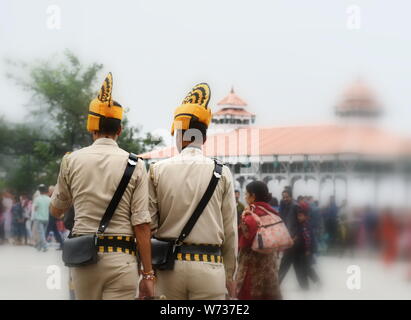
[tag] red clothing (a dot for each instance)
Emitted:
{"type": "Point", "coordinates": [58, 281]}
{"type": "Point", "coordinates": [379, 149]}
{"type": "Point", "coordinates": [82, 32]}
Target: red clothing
{"type": "Point", "coordinates": [257, 272]}
{"type": "Point", "coordinates": [248, 226]}
{"type": "Point", "coordinates": [389, 235]}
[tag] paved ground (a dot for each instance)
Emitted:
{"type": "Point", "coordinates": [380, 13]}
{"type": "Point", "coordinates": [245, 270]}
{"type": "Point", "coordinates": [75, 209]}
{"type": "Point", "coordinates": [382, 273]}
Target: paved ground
{"type": "Point", "coordinates": [23, 275]}
{"type": "Point", "coordinates": [375, 281]}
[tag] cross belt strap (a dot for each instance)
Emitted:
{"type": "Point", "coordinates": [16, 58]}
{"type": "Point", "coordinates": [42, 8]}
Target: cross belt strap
{"type": "Point", "coordinates": [164, 252]}
{"type": "Point", "coordinates": [131, 164]}
{"type": "Point", "coordinates": [218, 168]}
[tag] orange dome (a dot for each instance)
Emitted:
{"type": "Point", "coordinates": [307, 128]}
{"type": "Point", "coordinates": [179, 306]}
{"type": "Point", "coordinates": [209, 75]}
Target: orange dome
{"type": "Point", "coordinates": [358, 99]}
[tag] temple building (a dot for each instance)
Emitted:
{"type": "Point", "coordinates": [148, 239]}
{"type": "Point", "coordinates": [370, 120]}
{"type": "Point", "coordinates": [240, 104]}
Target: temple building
{"type": "Point", "coordinates": [352, 159]}
{"type": "Point", "coordinates": [232, 114]}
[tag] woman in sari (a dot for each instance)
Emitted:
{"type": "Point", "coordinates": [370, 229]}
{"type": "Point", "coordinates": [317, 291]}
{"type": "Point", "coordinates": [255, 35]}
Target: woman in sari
{"type": "Point", "coordinates": [257, 276]}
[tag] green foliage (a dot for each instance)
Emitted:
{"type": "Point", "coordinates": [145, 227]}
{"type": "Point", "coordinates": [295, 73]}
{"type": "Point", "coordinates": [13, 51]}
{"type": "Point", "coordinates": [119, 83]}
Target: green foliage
{"type": "Point", "coordinates": [30, 153]}
{"type": "Point", "coordinates": [130, 140]}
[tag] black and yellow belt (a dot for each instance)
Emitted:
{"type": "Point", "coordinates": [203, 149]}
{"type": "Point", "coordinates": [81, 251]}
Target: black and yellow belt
{"type": "Point", "coordinates": [205, 253]}
{"type": "Point", "coordinates": [125, 244]}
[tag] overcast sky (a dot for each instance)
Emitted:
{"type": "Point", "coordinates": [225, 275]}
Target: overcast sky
{"type": "Point", "coordinates": [288, 59]}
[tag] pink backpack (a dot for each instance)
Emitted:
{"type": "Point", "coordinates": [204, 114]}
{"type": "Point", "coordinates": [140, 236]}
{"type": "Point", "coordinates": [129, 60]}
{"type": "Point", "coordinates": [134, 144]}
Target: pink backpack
{"type": "Point", "coordinates": [272, 234]}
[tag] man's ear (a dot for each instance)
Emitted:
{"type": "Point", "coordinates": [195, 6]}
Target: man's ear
{"type": "Point", "coordinates": [120, 130]}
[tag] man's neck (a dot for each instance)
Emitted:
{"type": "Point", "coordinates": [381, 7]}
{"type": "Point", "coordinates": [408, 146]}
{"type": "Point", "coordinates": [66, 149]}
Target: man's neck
{"type": "Point", "coordinates": [192, 146]}
{"type": "Point", "coordinates": [106, 136]}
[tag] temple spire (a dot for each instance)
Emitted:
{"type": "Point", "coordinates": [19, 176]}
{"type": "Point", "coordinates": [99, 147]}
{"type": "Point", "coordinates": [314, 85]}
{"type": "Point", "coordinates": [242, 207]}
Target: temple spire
{"type": "Point", "coordinates": [232, 114]}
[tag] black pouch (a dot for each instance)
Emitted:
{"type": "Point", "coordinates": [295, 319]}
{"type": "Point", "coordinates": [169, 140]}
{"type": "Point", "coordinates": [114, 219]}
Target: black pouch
{"type": "Point", "coordinates": [163, 254]}
{"type": "Point", "coordinates": [80, 251]}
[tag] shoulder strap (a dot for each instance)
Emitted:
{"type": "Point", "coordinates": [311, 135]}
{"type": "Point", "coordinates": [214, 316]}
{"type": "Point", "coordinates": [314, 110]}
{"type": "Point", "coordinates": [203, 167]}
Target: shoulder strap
{"type": "Point", "coordinates": [131, 164]}
{"type": "Point", "coordinates": [218, 168]}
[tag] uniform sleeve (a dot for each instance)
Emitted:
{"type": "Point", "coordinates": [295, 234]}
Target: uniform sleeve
{"type": "Point", "coordinates": [62, 198]}
{"type": "Point", "coordinates": [153, 201]}
{"type": "Point", "coordinates": [139, 201]}
{"type": "Point", "coordinates": [229, 212]}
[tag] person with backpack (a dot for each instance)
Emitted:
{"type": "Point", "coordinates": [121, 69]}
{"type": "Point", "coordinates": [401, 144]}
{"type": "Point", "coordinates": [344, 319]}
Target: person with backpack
{"type": "Point", "coordinates": [257, 277]}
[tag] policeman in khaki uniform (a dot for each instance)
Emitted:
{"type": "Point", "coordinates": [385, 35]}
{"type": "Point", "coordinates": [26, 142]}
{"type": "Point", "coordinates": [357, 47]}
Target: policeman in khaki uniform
{"type": "Point", "coordinates": [88, 179]}
{"type": "Point", "coordinates": [176, 186]}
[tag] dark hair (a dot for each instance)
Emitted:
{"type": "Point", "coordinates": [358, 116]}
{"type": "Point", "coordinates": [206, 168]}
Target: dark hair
{"type": "Point", "coordinates": [110, 126]}
{"type": "Point", "coordinates": [302, 209]}
{"type": "Point", "coordinates": [197, 126]}
{"type": "Point", "coordinates": [288, 191]}
{"type": "Point", "coordinates": [260, 190]}
{"type": "Point", "coordinates": [274, 202]}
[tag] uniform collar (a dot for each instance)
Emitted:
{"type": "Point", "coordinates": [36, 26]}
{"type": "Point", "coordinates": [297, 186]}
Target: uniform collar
{"type": "Point", "coordinates": [105, 142]}
{"type": "Point", "coordinates": [191, 151]}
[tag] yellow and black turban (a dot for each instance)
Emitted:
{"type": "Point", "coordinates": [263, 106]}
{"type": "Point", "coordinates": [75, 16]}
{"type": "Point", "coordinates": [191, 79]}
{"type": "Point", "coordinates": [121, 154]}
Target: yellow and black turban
{"type": "Point", "coordinates": [194, 107]}
{"type": "Point", "coordinates": [103, 106]}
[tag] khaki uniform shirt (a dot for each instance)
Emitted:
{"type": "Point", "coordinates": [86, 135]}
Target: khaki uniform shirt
{"type": "Point", "coordinates": [88, 179]}
{"type": "Point", "coordinates": [176, 186]}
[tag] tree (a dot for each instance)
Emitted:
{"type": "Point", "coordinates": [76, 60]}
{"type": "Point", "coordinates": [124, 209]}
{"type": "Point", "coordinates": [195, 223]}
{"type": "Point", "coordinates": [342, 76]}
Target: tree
{"type": "Point", "coordinates": [61, 93]}
{"type": "Point", "coordinates": [18, 159]}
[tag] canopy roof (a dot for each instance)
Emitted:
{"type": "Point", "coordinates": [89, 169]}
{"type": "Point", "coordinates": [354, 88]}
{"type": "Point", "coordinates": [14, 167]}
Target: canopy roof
{"type": "Point", "coordinates": [299, 140]}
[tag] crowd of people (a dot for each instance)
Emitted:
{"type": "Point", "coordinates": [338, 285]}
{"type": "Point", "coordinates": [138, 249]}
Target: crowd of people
{"type": "Point", "coordinates": [26, 220]}
{"type": "Point", "coordinates": [315, 230]}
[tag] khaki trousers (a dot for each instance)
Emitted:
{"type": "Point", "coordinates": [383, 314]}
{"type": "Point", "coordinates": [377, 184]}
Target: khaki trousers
{"type": "Point", "coordinates": [114, 277]}
{"type": "Point", "coordinates": [192, 280]}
